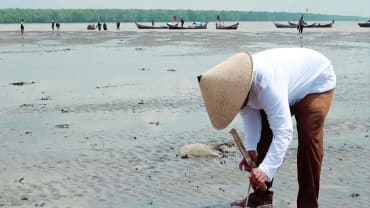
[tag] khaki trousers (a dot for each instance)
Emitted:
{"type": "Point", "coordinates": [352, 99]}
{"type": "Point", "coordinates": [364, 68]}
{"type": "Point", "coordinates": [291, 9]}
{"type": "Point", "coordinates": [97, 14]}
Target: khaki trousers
{"type": "Point", "coordinates": [310, 114]}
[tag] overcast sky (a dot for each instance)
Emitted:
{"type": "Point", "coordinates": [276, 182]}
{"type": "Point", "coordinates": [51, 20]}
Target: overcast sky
{"type": "Point", "coordinates": [334, 7]}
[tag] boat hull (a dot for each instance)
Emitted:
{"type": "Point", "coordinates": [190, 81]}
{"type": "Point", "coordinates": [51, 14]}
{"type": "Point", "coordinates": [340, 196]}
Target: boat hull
{"type": "Point", "coordinates": [140, 26]}
{"type": "Point", "coordinates": [314, 25]}
{"type": "Point", "coordinates": [176, 27]}
{"type": "Point", "coordinates": [227, 27]}
{"type": "Point", "coordinates": [279, 25]}
{"type": "Point", "coordinates": [364, 24]}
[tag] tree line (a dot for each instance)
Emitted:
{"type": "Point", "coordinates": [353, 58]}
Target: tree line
{"type": "Point", "coordinates": [132, 15]}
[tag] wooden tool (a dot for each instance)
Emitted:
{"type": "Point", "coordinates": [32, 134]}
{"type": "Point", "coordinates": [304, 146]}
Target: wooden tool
{"type": "Point", "coordinates": [244, 153]}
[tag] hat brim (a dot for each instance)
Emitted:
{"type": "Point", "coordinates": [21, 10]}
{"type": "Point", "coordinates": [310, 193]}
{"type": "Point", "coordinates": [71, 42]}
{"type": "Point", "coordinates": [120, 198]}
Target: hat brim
{"type": "Point", "coordinates": [225, 87]}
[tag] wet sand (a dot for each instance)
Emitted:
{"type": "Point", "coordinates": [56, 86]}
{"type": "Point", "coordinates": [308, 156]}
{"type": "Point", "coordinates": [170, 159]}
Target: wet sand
{"type": "Point", "coordinates": [108, 112]}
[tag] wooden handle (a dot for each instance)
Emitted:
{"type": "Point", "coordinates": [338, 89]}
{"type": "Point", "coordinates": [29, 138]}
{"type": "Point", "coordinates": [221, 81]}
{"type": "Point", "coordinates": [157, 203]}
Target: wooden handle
{"type": "Point", "coordinates": [244, 153]}
{"type": "Point", "coordinates": [241, 147]}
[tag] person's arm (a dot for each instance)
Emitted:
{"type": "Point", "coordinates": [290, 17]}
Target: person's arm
{"type": "Point", "coordinates": [274, 101]}
{"type": "Point", "coordinates": [252, 127]}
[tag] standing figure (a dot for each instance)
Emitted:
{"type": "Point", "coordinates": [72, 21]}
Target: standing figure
{"type": "Point", "coordinates": [52, 24]}
{"type": "Point", "coordinates": [152, 23]}
{"type": "Point", "coordinates": [267, 89]}
{"type": "Point", "coordinates": [22, 26]}
{"type": "Point", "coordinates": [118, 25]}
{"type": "Point", "coordinates": [300, 25]}
{"type": "Point", "coordinates": [99, 26]}
{"type": "Point", "coordinates": [57, 25]}
{"type": "Point", "coordinates": [182, 22]}
{"type": "Point", "coordinates": [105, 26]}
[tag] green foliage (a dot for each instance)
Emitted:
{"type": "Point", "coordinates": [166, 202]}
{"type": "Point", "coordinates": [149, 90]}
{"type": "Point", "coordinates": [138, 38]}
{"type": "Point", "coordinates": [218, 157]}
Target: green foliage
{"type": "Point", "coordinates": [132, 15]}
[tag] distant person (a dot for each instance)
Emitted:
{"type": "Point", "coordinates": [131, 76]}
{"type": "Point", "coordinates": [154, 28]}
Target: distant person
{"type": "Point", "coordinates": [118, 24]}
{"type": "Point", "coordinates": [99, 26]}
{"type": "Point", "coordinates": [57, 25]}
{"type": "Point", "coordinates": [22, 26]}
{"type": "Point", "coordinates": [105, 26]}
{"type": "Point", "coordinates": [182, 22]}
{"type": "Point", "coordinates": [52, 25]}
{"type": "Point", "coordinates": [300, 25]}
{"type": "Point", "coordinates": [152, 23]}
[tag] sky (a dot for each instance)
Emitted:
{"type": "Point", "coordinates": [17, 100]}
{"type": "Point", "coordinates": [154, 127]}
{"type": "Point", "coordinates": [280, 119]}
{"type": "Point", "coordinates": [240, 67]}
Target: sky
{"type": "Point", "coordinates": [331, 7]}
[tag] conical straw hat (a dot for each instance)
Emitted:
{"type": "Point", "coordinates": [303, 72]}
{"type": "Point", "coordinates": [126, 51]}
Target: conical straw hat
{"type": "Point", "coordinates": [225, 88]}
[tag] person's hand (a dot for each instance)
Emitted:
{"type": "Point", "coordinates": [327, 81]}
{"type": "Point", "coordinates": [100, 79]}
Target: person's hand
{"type": "Point", "coordinates": [243, 165]}
{"type": "Point", "coordinates": [257, 177]}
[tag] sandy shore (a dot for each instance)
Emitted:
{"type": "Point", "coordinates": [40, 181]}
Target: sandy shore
{"type": "Point", "coordinates": [103, 122]}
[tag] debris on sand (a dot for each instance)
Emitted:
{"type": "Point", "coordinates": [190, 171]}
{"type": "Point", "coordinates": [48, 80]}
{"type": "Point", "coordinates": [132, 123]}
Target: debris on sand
{"type": "Point", "coordinates": [46, 98]}
{"type": "Point", "coordinates": [198, 150]}
{"type": "Point", "coordinates": [185, 156]}
{"type": "Point", "coordinates": [40, 205]}
{"type": "Point", "coordinates": [107, 86]}
{"type": "Point", "coordinates": [22, 83]}
{"type": "Point", "coordinates": [206, 150]}
{"type": "Point", "coordinates": [26, 105]}
{"type": "Point", "coordinates": [114, 85]}
{"type": "Point", "coordinates": [57, 50]}
{"type": "Point", "coordinates": [171, 70]}
{"type": "Point", "coordinates": [62, 126]}
{"type": "Point", "coordinates": [144, 69]}
{"type": "Point", "coordinates": [64, 110]}
{"type": "Point", "coordinates": [154, 123]}
{"type": "Point", "coordinates": [141, 102]}
{"type": "Point", "coordinates": [24, 198]}
{"type": "Point", "coordinates": [20, 180]}
{"type": "Point", "coordinates": [226, 147]}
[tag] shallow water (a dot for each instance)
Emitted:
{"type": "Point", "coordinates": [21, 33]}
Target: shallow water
{"type": "Point", "coordinates": [110, 87]}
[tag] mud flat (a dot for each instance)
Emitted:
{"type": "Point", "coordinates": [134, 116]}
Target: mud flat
{"type": "Point", "coordinates": [102, 123]}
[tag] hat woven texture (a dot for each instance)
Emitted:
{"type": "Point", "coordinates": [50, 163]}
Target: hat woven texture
{"type": "Point", "coordinates": [225, 87]}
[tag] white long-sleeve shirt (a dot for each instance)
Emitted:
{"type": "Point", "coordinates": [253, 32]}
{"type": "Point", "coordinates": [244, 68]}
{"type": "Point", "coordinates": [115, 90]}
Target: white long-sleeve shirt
{"type": "Point", "coordinates": [281, 78]}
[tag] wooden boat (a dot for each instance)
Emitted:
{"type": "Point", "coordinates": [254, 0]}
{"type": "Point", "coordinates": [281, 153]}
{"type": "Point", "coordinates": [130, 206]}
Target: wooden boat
{"type": "Point", "coordinates": [227, 27]}
{"type": "Point", "coordinates": [195, 25]}
{"type": "Point", "coordinates": [313, 25]}
{"type": "Point", "coordinates": [364, 24]}
{"type": "Point", "coordinates": [319, 25]}
{"type": "Point", "coordinates": [280, 25]}
{"type": "Point", "coordinates": [140, 26]}
{"type": "Point", "coordinates": [293, 24]}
